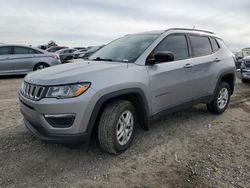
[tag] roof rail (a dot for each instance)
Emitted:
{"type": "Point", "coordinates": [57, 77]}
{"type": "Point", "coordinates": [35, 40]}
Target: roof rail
{"type": "Point", "coordinates": [185, 29]}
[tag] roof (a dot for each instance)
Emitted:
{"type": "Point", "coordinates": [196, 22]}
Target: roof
{"type": "Point", "coordinates": [18, 45]}
{"type": "Point", "coordinates": [185, 29]}
{"type": "Point", "coordinates": [1, 44]}
{"type": "Point", "coordinates": [182, 30]}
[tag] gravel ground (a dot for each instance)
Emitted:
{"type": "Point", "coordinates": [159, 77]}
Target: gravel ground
{"type": "Point", "coordinates": [191, 148]}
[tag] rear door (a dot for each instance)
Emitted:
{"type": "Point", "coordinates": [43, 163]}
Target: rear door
{"type": "Point", "coordinates": [24, 58]}
{"type": "Point", "coordinates": [205, 60]}
{"type": "Point", "coordinates": [6, 65]}
{"type": "Point", "coordinates": [171, 82]}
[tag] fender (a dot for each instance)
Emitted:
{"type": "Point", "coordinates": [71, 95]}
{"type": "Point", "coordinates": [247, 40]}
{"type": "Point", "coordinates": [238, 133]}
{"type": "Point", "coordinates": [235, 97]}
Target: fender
{"type": "Point", "coordinates": [144, 116]}
{"type": "Point", "coordinates": [229, 72]}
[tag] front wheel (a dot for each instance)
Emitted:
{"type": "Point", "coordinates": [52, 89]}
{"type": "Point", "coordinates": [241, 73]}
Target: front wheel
{"type": "Point", "coordinates": [117, 126]}
{"type": "Point", "coordinates": [40, 66]}
{"type": "Point", "coordinates": [221, 99]}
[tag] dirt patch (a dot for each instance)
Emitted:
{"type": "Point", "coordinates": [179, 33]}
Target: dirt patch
{"type": "Point", "coordinates": [191, 148]}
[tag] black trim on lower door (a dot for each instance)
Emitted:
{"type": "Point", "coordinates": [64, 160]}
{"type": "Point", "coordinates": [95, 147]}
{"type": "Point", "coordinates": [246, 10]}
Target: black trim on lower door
{"type": "Point", "coordinates": [159, 115]}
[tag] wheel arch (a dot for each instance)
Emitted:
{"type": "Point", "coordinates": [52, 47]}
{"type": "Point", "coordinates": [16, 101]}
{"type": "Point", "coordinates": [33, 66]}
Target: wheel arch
{"type": "Point", "coordinates": [40, 63]}
{"type": "Point", "coordinates": [228, 77]}
{"type": "Point", "coordinates": [134, 95]}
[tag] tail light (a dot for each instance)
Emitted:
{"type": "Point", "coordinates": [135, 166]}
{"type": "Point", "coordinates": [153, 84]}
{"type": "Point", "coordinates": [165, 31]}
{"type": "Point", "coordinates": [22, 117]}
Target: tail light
{"type": "Point", "coordinates": [56, 57]}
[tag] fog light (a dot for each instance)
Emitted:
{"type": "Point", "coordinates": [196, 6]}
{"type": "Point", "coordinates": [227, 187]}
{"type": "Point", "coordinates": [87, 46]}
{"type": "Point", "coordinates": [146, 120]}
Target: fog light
{"type": "Point", "coordinates": [60, 120]}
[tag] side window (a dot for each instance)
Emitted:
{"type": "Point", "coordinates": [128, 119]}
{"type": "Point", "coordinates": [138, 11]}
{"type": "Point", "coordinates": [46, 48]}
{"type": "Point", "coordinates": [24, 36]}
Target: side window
{"type": "Point", "coordinates": [201, 45]}
{"type": "Point", "coordinates": [33, 51]}
{"type": "Point", "coordinates": [215, 44]}
{"type": "Point", "coordinates": [21, 50]}
{"type": "Point", "coordinates": [64, 52]}
{"type": "Point", "coordinates": [5, 50]}
{"type": "Point", "coordinates": [177, 44]}
{"type": "Point", "coordinates": [24, 50]}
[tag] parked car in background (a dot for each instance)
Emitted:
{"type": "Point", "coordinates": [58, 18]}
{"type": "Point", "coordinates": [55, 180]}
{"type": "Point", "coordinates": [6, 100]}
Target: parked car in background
{"type": "Point", "coordinates": [80, 48]}
{"type": "Point", "coordinates": [245, 69]}
{"type": "Point", "coordinates": [42, 47]}
{"type": "Point", "coordinates": [239, 57]}
{"type": "Point", "coordinates": [66, 54]}
{"type": "Point", "coordinates": [56, 48]}
{"type": "Point", "coordinates": [128, 83]}
{"type": "Point", "coordinates": [51, 43]}
{"type": "Point", "coordinates": [89, 52]}
{"type": "Point", "coordinates": [18, 59]}
{"type": "Point", "coordinates": [78, 53]}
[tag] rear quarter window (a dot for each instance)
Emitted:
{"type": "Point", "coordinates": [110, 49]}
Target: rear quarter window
{"type": "Point", "coordinates": [25, 50]}
{"type": "Point", "coordinates": [215, 44]}
{"type": "Point", "coordinates": [201, 45]}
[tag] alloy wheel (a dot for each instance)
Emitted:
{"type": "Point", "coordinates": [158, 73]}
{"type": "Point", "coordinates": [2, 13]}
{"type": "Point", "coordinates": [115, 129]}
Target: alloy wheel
{"type": "Point", "coordinates": [125, 127]}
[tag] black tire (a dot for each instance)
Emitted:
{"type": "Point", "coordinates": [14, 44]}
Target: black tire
{"type": "Point", "coordinates": [68, 59]}
{"type": "Point", "coordinates": [213, 106]}
{"type": "Point", "coordinates": [244, 80]}
{"type": "Point", "coordinates": [39, 66]}
{"type": "Point", "coordinates": [108, 125]}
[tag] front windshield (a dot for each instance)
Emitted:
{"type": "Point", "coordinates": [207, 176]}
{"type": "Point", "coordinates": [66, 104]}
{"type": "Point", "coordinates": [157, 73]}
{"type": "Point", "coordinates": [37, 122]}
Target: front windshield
{"type": "Point", "coordinates": [92, 49]}
{"type": "Point", "coordinates": [125, 49]}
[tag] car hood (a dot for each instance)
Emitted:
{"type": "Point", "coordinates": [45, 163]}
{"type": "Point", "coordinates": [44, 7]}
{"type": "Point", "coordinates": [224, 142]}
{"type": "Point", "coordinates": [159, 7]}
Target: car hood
{"type": "Point", "coordinates": [77, 71]}
{"type": "Point", "coordinates": [247, 58]}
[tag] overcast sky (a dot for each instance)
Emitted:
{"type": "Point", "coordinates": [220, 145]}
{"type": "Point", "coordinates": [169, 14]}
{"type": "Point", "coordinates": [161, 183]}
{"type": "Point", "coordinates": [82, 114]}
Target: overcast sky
{"type": "Point", "coordinates": [94, 22]}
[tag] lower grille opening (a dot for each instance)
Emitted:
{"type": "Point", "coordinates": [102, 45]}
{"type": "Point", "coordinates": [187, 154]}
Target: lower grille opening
{"type": "Point", "coordinates": [60, 121]}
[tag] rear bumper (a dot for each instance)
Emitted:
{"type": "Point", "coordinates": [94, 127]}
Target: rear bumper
{"type": "Point", "coordinates": [42, 134]}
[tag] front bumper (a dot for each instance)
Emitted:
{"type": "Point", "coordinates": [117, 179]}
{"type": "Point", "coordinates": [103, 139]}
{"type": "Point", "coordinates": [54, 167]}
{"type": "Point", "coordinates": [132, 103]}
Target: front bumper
{"type": "Point", "coordinates": [42, 134]}
{"type": "Point", "coordinates": [245, 73]}
{"type": "Point", "coordinates": [34, 117]}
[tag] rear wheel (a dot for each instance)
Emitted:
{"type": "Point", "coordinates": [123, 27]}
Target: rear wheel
{"type": "Point", "coordinates": [117, 126]}
{"type": "Point", "coordinates": [221, 99]}
{"type": "Point", "coordinates": [40, 66]}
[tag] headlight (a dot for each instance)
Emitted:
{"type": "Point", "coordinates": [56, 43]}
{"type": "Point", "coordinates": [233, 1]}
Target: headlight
{"type": "Point", "coordinates": [67, 91]}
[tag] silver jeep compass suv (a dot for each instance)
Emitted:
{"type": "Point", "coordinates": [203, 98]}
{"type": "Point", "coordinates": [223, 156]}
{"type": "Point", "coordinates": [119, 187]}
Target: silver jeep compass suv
{"type": "Point", "coordinates": [129, 82]}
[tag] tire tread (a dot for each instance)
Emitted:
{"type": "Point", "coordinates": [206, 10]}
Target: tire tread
{"type": "Point", "coordinates": [105, 129]}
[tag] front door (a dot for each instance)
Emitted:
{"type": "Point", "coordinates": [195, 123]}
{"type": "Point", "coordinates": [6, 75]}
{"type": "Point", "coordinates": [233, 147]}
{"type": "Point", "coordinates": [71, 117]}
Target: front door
{"type": "Point", "coordinates": [6, 65]}
{"type": "Point", "coordinates": [171, 82]}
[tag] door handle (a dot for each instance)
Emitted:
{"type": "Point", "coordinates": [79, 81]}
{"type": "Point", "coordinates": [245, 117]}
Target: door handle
{"type": "Point", "coordinates": [188, 65]}
{"type": "Point", "coordinates": [217, 60]}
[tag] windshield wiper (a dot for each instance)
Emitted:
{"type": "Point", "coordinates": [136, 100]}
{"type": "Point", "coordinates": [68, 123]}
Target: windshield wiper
{"type": "Point", "coordinates": [101, 59]}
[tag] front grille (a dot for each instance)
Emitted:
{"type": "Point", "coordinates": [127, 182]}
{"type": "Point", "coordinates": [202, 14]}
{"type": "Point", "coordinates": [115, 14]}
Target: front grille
{"type": "Point", "coordinates": [31, 91]}
{"type": "Point", "coordinates": [247, 63]}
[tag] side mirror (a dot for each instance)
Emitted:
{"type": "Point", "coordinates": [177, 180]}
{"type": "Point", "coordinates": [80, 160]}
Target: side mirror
{"type": "Point", "coordinates": [160, 57]}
